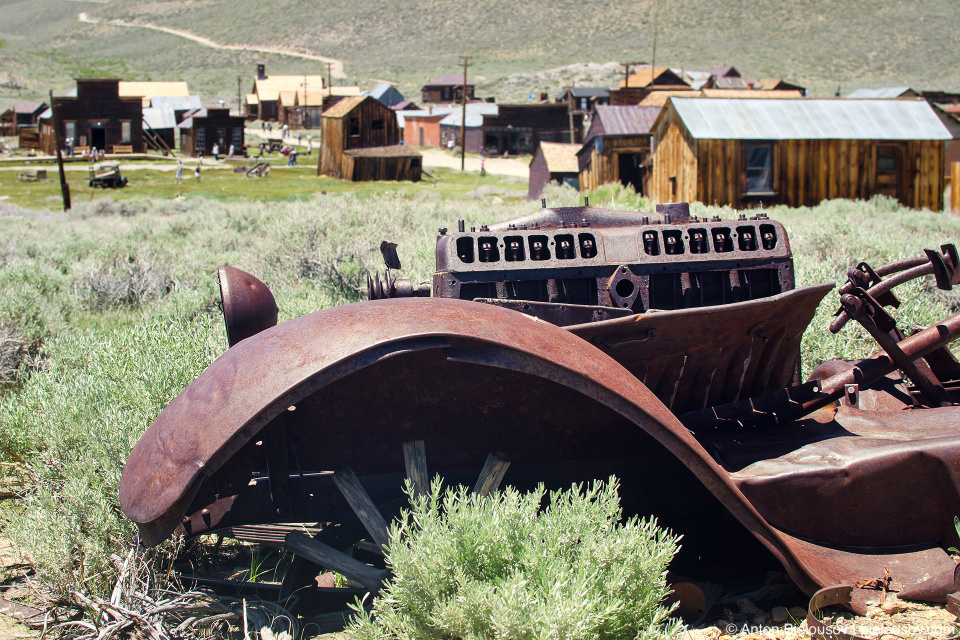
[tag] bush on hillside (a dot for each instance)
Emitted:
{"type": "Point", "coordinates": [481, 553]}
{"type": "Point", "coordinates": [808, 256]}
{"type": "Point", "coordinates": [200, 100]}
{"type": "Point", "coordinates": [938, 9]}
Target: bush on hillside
{"type": "Point", "coordinates": [501, 567]}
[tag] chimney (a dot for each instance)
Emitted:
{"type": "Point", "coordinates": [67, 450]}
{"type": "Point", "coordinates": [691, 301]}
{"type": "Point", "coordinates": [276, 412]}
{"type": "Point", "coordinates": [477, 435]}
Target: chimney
{"type": "Point", "coordinates": [261, 71]}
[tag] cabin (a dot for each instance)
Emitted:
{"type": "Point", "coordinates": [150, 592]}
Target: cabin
{"type": "Point", "coordinates": [584, 100]}
{"type": "Point", "coordinates": [206, 127]}
{"type": "Point", "coordinates": [450, 129]}
{"type": "Point", "coordinates": [748, 152]}
{"type": "Point", "coordinates": [644, 81]}
{"type": "Point", "coordinates": [359, 141]}
{"type": "Point", "coordinates": [97, 116]}
{"type": "Point", "coordinates": [22, 114]}
{"type": "Point", "coordinates": [617, 148]}
{"type": "Point", "coordinates": [446, 89]}
{"type": "Point", "coordinates": [553, 162]}
{"type": "Point", "coordinates": [263, 102]}
{"type": "Point", "coordinates": [520, 128]}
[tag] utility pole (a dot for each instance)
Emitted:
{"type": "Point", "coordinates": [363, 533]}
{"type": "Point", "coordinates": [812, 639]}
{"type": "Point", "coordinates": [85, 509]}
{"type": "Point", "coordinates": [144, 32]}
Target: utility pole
{"type": "Point", "coordinates": [64, 187]}
{"type": "Point", "coordinates": [239, 96]}
{"type": "Point", "coordinates": [653, 64]}
{"type": "Point", "coordinates": [626, 72]}
{"type": "Point", "coordinates": [329, 66]}
{"type": "Point", "coordinates": [463, 118]}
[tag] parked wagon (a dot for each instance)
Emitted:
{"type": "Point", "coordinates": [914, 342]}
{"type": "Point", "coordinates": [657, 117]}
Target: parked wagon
{"type": "Point", "coordinates": [107, 175]}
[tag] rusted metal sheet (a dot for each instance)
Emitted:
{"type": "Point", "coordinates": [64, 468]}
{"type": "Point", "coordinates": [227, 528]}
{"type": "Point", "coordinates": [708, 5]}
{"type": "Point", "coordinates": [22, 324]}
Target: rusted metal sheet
{"type": "Point", "coordinates": [248, 305]}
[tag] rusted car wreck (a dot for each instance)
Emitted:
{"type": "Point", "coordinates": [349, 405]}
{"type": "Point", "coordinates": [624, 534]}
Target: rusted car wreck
{"type": "Point", "coordinates": [567, 345]}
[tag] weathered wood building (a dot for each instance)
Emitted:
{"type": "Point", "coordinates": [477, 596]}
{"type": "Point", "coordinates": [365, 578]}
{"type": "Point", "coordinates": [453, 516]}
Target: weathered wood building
{"type": "Point", "coordinates": [447, 88]}
{"type": "Point", "coordinates": [450, 129]}
{"type": "Point", "coordinates": [206, 127]}
{"type": "Point", "coordinates": [744, 152]}
{"type": "Point", "coordinates": [520, 128]}
{"type": "Point", "coordinates": [618, 148]}
{"type": "Point", "coordinates": [584, 100]}
{"type": "Point", "coordinates": [553, 162]}
{"type": "Point", "coordinates": [22, 114]}
{"type": "Point", "coordinates": [360, 142]}
{"type": "Point", "coordinates": [644, 81]}
{"type": "Point", "coordinates": [96, 117]}
{"type": "Point", "coordinates": [263, 102]}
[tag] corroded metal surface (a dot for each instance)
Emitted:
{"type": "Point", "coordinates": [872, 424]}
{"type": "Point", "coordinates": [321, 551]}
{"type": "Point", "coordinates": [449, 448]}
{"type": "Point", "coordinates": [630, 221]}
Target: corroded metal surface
{"type": "Point", "coordinates": [248, 305]}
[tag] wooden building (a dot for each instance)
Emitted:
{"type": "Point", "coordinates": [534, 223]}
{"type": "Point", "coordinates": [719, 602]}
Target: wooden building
{"type": "Point", "coordinates": [447, 88]}
{"type": "Point", "coordinates": [520, 128]}
{"type": "Point", "coordinates": [743, 152]}
{"type": "Point", "coordinates": [450, 129]}
{"type": "Point", "coordinates": [263, 102]}
{"type": "Point", "coordinates": [644, 81]}
{"type": "Point", "coordinates": [584, 100]}
{"type": "Point", "coordinates": [359, 141]}
{"type": "Point", "coordinates": [206, 127]}
{"type": "Point", "coordinates": [20, 115]}
{"type": "Point", "coordinates": [387, 93]}
{"type": "Point", "coordinates": [96, 117]}
{"type": "Point", "coordinates": [617, 148]}
{"type": "Point", "coordinates": [553, 162]}
{"type": "Point", "coordinates": [147, 91]}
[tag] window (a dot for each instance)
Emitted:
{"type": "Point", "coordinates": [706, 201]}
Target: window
{"type": "Point", "coordinates": [237, 140]}
{"type": "Point", "coordinates": [125, 132]}
{"type": "Point", "coordinates": [377, 124]}
{"type": "Point", "coordinates": [354, 126]}
{"type": "Point", "coordinates": [759, 168]}
{"type": "Point", "coordinates": [70, 129]}
{"type": "Point", "coordinates": [202, 139]}
{"type": "Point", "coordinates": [446, 93]}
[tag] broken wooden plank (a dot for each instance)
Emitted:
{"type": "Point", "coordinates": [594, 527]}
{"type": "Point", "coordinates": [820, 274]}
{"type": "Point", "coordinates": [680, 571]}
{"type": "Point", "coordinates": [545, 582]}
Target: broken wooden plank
{"type": "Point", "coordinates": [491, 475]}
{"type": "Point", "coordinates": [415, 460]}
{"type": "Point", "coordinates": [329, 558]}
{"type": "Point", "coordinates": [359, 500]}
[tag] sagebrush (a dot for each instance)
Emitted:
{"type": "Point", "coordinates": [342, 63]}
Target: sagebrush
{"type": "Point", "coordinates": [507, 565]}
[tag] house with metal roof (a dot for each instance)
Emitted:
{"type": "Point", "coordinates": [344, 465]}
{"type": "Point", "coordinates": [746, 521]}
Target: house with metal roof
{"type": "Point", "coordinates": [553, 162]}
{"type": "Point", "coordinates": [446, 89]}
{"type": "Point", "coordinates": [617, 147]}
{"type": "Point", "coordinates": [263, 102]}
{"type": "Point", "coordinates": [450, 129]}
{"type": "Point", "coordinates": [884, 92]}
{"type": "Point", "coordinates": [387, 93]}
{"type": "Point", "coordinates": [583, 100]}
{"type": "Point", "coordinates": [748, 152]}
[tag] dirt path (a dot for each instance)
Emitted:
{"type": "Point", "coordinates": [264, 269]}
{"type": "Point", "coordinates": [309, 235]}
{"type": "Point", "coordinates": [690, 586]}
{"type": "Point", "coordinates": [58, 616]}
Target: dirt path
{"type": "Point", "coordinates": [496, 166]}
{"type": "Point", "coordinates": [336, 68]}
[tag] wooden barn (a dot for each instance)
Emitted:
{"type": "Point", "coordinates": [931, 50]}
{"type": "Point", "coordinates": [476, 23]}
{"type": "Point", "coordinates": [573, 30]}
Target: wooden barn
{"type": "Point", "coordinates": [447, 88]}
{"type": "Point", "coordinates": [617, 148]}
{"type": "Point", "coordinates": [553, 162]}
{"type": "Point", "coordinates": [206, 127]}
{"type": "Point", "coordinates": [360, 142]}
{"type": "Point", "coordinates": [520, 128]}
{"type": "Point", "coordinates": [744, 152]}
{"type": "Point", "coordinates": [96, 117]}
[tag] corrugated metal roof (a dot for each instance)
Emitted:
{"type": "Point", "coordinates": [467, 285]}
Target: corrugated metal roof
{"type": "Point", "coordinates": [621, 120]}
{"type": "Point", "coordinates": [561, 157]}
{"type": "Point", "coordinates": [160, 117]}
{"type": "Point", "coordinates": [809, 119]}
{"type": "Point", "coordinates": [883, 92]}
{"type": "Point", "coordinates": [176, 102]}
{"type": "Point", "coordinates": [475, 113]}
{"type": "Point", "coordinates": [585, 92]}
{"type": "Point", "coordinates": [27, 107]}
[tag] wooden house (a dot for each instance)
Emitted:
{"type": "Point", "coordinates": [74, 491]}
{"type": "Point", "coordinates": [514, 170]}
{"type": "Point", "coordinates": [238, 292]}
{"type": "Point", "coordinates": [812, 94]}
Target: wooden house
{"type": "Point", "coordinates": [206, 127]}
{"type": "Point", "coordinates": [450, 129]}
{"type": "Point", "coordinates": [97, 116]}
{"type": "Point", "coordinates": [584, 100]}
{"type": "Point", "coordinates": [617, 148]}
{"type": "Point", "coordinates": [520, 128]}
{"type": "Point", "coordinates": [748, 152]}
{"type": "Point", "coordinates": [445, 89]}
{"type": "Point", "coordinates": [22, 114]}
{"type": "Point", "coordinates": [644, 81]}
{"type": "Point", "coordinates": [359, 141]}
{"type": "Point", "coordinates": [553, 162]}
{"type": "Point", "coordinates": [147, 91]}
{"type": "Point", "coordinates": [263, 102]}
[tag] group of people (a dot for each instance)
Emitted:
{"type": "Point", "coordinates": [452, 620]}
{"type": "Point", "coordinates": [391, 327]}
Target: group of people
{"type": "Point", "coordinates": [196, 171]}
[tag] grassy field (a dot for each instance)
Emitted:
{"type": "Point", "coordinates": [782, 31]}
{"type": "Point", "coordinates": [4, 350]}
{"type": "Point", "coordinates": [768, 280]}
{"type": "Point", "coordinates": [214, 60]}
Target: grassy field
{"type": "Point", "coordinates": [820, 44]}
{"type": "Point", "coordinates": [108, 311]}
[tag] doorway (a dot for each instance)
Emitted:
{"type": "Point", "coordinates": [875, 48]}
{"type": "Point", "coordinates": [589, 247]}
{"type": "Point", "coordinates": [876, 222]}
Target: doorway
{"type": "Point", "coordinates": [888, 170]}
{"type": "Point", "coordinates": [98, 136]}
{"type": "Point", "coordinates": [632, 171]}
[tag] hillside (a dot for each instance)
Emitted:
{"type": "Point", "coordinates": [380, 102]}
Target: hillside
{"type": "Point", "coordinates": [818, 43]}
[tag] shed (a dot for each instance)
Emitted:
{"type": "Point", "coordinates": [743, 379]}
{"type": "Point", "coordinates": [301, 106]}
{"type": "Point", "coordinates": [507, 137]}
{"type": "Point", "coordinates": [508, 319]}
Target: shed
{"type": "Point", "coordinates": [97, 116]}
{"type": "Point", "coordinates": [450, 129]}
{"type": "Point", "coordinates": [447, 88]}
{"type": "Point", "coordinates": [422, 128]}
{"type": "Point", "coordinates": [798, 152]}
{"type": "Point", "coordinates": [206, 127]}
{"type": "Point", "coordinates": [617, 147]}
{"type": "Point", "coordinates": [553, 162]}
{"type": "Point", "coordinates": [520, 128]}
{"type": "Point", "coordinates": [359, 142]}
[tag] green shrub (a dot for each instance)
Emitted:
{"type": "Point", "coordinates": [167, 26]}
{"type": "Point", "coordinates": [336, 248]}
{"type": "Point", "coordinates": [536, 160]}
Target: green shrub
{"type": "Point", "coordinates": [501, 567]}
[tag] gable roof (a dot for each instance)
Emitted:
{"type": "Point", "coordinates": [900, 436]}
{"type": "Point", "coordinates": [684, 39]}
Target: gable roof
{"type": "Point", "coordinates": [726, 71]}
{"type": "Point", "coordinates": [645, 77]}
{"type": "Point", "coordinates": [808, 119]}
{"type": "Point", "coordinates": [561, 157]}
{"type": "Point", "coordinates": [345, 106]}
{"type": "Point", "coordinates": [147, 90]}
{"type": "Point", "coordinates": [475, 113]}
{"type": "Point", "coordinates": [660, 97]}
{"type": "Point", "coordinates": [269, 88]}
{"type": "Point", "coordinates": [584, 92]}
{"type": "Point", "coordinates": [624, 120]}
{"type": "Point", "coordinates": [448, 80]}
{"type": "Point", "coordinates": [176, 102]}
{"type": "Point", "coordinates": [28, 107]}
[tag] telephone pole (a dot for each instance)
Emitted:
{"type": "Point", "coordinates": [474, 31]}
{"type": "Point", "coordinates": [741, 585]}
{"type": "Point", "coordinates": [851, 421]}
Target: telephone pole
{"type": "Point", "coordinates": [64, 187]}
{"type": "Point", "coordinates": [239, 96]}
{"type": "Point", "coordinates": [653, 64]}
{"type": "Point", "coordinates": [463, 117]}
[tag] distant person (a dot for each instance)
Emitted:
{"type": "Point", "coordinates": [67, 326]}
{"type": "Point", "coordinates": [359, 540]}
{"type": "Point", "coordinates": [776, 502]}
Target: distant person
{"type": "Point", "coordinates": [285, 132]}
{"type": "Point", "coordinates": [299, 137]}
{"type": "Point", "coordinates": [196, 172]}
{"type": "Point", "coordinates": [93, 154]}
{"type": "Point", "coordinates": [269, 128]}
{"type": "Point", "coordinates": [309, 146]}
{"type": "Point", "coordinates": [263, 126]}
{"type": "Point", "coordinates": [216, 151]}
{"type": "Point", "coordinates": [179, 172]}
{"type": "Point", "coordinates": [292, 158]}
{"type": "Point", "coordinates": [232, 149]}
